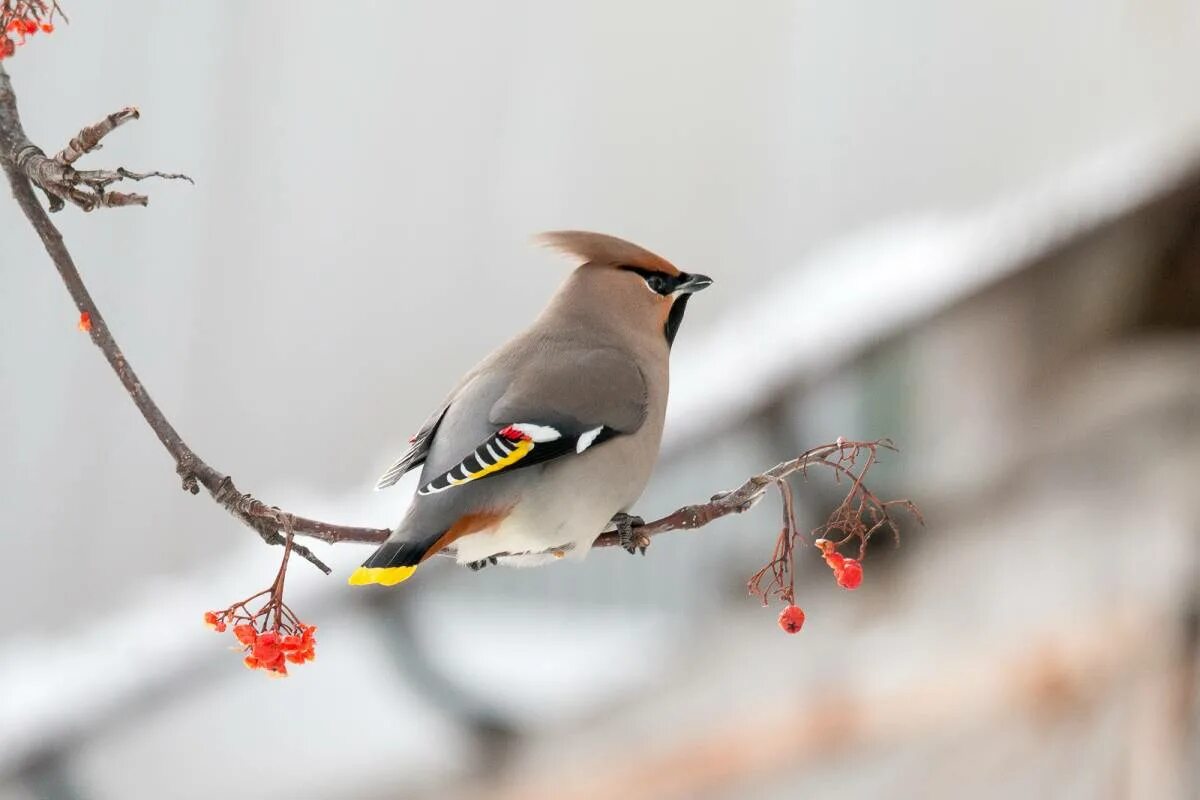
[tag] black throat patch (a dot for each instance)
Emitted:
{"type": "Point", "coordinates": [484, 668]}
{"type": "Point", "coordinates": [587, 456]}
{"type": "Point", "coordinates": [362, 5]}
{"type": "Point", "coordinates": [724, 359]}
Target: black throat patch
{"type": "Point", "coordinates": [675, 318]}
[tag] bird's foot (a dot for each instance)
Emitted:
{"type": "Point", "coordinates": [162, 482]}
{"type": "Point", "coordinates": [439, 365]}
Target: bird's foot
{"type": "Point", "coordinates": [481, 563]}
{"type": "Point", "coordinates": [632, 541]}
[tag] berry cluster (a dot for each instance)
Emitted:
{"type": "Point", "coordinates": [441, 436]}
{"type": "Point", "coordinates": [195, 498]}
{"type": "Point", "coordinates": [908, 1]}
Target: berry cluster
{"type": "Point", "coordinates": [20, 19]}
{"type": "Point", "coordinates": [847, 571]}
{"type": "Point", "coordinates": [272, 648]}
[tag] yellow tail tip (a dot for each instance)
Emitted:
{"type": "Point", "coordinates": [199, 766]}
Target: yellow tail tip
{"type": "Point", "coordinates": [384, 576]}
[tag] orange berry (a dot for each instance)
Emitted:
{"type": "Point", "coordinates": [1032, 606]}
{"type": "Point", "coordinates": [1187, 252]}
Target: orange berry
{"type": "Point", "coordinates": [31, 26]}
{"type": "Point", "coordinates": [245, 633]}
{"type": "Point", "coordinates": [791, 619]}
{"type": "Point", "coordinates": [48, 27]}
{"type": "Point", "coordinates": [851, 575]}
{"type": "Point", "coordinates": [251, 662]}
{"type": "Point", "coordinates": [210, 619]}
{"type": "Point", "coordinates": [85, 322]}
{"type": "Point", "coordinates": [290, 643]}
{"type": "Point", "coordinates": [266, 647]}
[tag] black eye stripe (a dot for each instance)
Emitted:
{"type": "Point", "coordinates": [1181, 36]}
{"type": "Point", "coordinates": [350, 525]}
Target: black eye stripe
{"type": "Point", "coordinates": [660, 282]}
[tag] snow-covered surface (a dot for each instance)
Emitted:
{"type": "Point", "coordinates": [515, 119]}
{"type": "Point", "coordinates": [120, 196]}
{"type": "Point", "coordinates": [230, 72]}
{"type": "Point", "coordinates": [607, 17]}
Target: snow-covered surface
{"type": "Point", "coordinates": [60, 683]}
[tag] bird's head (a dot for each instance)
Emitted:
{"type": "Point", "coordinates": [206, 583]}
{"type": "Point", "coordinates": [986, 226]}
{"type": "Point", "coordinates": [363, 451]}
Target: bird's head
{"type": "Point", "coordinates": [636, 287]}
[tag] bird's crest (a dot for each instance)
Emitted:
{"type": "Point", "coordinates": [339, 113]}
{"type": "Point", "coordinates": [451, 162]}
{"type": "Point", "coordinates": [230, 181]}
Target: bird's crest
{"type": "Point", "coordinates": [604, 250]}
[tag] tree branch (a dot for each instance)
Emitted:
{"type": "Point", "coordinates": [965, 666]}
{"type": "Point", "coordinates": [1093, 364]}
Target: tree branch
{"type": "Point", "coordinates": [86, 189]}
{"type": "Point", "coordinates": [741, 499]}
{"type": "Point", "coordinates": [192, 469]}
{"type": "Point", "coordinates": [25, 164]}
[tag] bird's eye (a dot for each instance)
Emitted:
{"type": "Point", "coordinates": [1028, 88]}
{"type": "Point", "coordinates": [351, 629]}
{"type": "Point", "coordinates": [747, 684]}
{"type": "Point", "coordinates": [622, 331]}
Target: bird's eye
{"type": "Point", "coordinates": [658, 283]}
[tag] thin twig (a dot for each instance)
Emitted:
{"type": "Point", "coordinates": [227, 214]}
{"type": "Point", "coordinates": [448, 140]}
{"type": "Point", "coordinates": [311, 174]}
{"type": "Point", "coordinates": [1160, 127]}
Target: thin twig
{"type": "Point", "coordinates": [89, 138]}
{"type": "Point", "coordinates": [62, 183]}
{"type": "Point", "coordinates": [741, 499]}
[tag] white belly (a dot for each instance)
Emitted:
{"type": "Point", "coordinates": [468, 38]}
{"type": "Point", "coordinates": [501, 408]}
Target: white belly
{"type": "Point", "coordinates": [567, 526]}
{"type": "Point", "coordinates": [561, 512]}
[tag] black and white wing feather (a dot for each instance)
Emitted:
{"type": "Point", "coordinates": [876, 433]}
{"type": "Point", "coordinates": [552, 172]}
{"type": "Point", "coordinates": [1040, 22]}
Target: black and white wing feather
{"type": "Point", "coordinates": [515, 447]}
{"type": "Point", "coordinates": [559, 404]}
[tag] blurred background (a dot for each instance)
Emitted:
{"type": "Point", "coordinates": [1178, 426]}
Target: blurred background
{"type": "Point", "coordinates": [974, 228]}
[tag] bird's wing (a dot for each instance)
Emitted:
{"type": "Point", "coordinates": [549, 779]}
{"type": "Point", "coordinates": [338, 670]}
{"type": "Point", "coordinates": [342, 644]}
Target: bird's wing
{"type": "Point", "coordinates": [418, 449]}
{"type": "Point", "coordinates": [561, 403]}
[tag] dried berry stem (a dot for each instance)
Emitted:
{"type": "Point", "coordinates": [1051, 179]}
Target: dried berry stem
{"type": "Point", "coordinates": [859, 516]}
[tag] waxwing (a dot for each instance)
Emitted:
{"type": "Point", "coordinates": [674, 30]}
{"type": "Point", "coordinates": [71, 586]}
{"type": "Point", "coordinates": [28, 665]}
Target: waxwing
{"type": "Point", "coordinates": [553, 437]}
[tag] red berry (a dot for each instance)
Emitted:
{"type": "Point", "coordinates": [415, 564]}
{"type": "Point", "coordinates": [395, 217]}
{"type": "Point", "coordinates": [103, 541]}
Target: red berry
{"type": "Point", "coordinates": [851, 574]}
{"type": "Point", "coordinates": [85, 322]}
{"type": "Point", "coordinates": [31, 26]}
{"type": "Point", "coordinates": [266, 649]}
{"type": "Point", "coordinates": [48, 27]}
{"type": "Point", "coordinates": [791, 619]}
{"type": "Point", "coordinates": [245, 633]}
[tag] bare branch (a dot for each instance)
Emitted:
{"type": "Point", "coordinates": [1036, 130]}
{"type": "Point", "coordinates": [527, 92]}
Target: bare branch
{"type": "Point", "coordinates": [89, 138]}
{"type": "Point", "coordinates": [62, 183]}
{"type": "Point", "coordinates": [741, 499]}
{"type": "Point", "coordinates": [190, 466]}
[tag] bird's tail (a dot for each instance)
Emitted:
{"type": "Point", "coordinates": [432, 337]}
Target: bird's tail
{"type": "Point", "coordinates": [393, 562]}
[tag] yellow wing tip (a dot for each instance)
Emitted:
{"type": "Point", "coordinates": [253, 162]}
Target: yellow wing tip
{"type": "Point", "coordinates": [384, 576]}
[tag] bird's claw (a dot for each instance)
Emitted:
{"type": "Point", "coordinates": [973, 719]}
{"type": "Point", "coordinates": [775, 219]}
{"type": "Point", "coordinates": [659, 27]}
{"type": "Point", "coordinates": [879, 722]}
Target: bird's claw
{"type": "Point", "coordinates": [631, 542]}
{"type": "Point", "coordinates": [481, 563]}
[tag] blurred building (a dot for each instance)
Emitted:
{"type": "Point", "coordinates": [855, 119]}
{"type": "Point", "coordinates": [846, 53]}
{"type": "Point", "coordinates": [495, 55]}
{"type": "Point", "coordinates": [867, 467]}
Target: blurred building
{"type": "Point", "coordinates": [976, 233]}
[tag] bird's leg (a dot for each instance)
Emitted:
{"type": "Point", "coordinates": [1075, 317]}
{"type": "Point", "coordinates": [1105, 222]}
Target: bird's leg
{"type": "Point", "coordinates": [481, 563]}
{"type": "Point", "coordinates": [632, 542]}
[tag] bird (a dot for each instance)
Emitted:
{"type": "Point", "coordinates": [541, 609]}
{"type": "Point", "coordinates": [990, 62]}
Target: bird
{"type": "Point", "coordinates": [552, 438]}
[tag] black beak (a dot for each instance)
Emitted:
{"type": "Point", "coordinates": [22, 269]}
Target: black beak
{"type": "Point", "coordinates": [692, 283]}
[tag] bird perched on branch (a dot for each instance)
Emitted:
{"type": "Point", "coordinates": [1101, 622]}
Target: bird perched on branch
{"type": "Point", "coordinates": [553, 437]}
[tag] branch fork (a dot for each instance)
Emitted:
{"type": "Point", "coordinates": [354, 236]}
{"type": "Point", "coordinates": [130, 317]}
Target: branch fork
{"type": "Point", "coordinates": [58, 178]}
